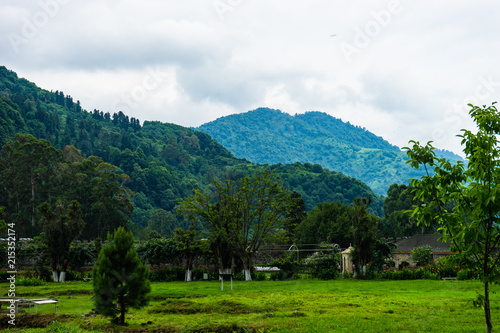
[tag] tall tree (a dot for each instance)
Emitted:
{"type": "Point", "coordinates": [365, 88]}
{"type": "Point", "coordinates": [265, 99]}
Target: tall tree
{"type": "Point", "coordinates": [328, 222]}
{"type": "Point", "coordinates": [364, 235]}
{"type": "Point", "coordinates": [296, 213]}
{"type": "Point", "coordinates": [472, 225]}
{"type": "Point", "coordinates": [163, 222]}
{"type": "Point", "coordinates": [26, 165]}
{"type": "Point", "coordinates": [242, 212]}
{"type": "Point", "coordinates": [189, 245]}
{"type": "Point", "coordinates": [120, 279]}
{"type": "Point", "coordinates": [61, 226]}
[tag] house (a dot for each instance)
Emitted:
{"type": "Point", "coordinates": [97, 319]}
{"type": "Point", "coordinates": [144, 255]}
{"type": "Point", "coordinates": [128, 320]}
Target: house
{"type": "Point", "coordinates": [404, 247]}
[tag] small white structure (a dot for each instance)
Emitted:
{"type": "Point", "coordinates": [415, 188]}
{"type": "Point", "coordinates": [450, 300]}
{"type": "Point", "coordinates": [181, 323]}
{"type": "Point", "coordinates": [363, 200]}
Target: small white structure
{"type": "Point", "coordinates": [347, 261]}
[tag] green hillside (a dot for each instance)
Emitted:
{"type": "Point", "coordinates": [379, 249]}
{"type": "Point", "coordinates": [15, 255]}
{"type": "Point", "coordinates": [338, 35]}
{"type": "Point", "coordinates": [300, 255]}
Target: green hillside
{"type": "Point", "coordinates": [271, 136]}
{"type": "Point", "coordinates": [165, 161]}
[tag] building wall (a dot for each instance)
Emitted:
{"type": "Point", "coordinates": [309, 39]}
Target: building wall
{"type": "Point", "coordinates": [399, 257]}
{"type": "Point", "coordinates": [347, 262]}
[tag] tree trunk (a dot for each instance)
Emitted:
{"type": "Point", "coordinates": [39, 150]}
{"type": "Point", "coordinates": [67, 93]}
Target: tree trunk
{"type": "Point", "coordinates": [248, 275]}
{"type": "Point", "coordinates": [189, 275]}
{"type": "Point", "coordinates": [33, 208]}
{"type": "Point", "coordinates": [487, 312]}
{"type": "Point", "coordinates": [246, 269]}
{"type": "Point", "coordinates": [122, 309]}
{"type": "Point", "coordinates": [55, 276]}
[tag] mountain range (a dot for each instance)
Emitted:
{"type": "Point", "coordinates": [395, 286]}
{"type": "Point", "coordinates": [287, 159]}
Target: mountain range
{"type": "Point", "coordinates": [270, 136]}
{"type": "Point", "coordinates": [165, 162]}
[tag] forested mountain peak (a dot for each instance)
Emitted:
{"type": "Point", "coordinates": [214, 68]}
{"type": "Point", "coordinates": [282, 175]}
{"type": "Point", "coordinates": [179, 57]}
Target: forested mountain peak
{"type": "Point", "coordinates": [271, 136]}
{"type": "Point", "coordinates": [309, 124]}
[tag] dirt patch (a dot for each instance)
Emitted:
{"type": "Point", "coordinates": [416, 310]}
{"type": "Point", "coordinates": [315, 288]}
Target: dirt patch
{"type": "Point", "coordinates": [224, 329]}
{"type": "Point", "coordinates": [233, 307]}
{"type": "Point", "coordinates": [174, 306]}
{"type": "Point", "coordinates": [34, 320]}
{"type": "Point", "coordinates": [187, 307]}
{"type": "Point", "coordinates": [57, 293]}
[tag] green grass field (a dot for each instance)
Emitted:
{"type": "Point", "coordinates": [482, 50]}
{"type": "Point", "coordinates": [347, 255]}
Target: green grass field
{"type": "Point", "coordinates": [270, 306]}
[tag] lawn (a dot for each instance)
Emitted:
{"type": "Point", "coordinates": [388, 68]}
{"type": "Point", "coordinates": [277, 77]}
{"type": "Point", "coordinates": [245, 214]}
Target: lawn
{"type": "Point", "coordinates": [270, 306]}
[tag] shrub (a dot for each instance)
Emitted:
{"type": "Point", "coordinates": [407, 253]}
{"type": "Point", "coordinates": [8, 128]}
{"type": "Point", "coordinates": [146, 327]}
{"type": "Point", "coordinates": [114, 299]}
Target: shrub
{"type": "Point", "coordinates": [4, 275]}
{"type": "Point", "coordinates": [421, 255]}
{"type": "Point", "coordinates": [82, 254]}
{"type": "Point", "coordinates": [328, 274]}
{"type": "Point", "coordinates": [166, 273]}
{"type": "Point", "coordinates": [43, 271]}
{"type": "Point", "coordinates": [277, 276]}
{"type": "Point", "coordinates": [28, 278]}
{"type": "Point", "coordinates": [323, 266]}
{"type": "Point", "coordinates": [287, 269]}
{"type": "Point", "coordinates": [467, 274]}
{"type": "Point", "coordinates": [463, 274]}
{"type": "Point", "coordinates": [419, 273]}
{"type": "Point", "coordinates": [159, 251]}
{"type": "Point", "coordinates": [346, 275]}
{"type": "Point", "coordinates": [239, 276]}
{"type": "Point", "coordinates": [431, 276]}
{"type": "Point", "coordinates": [404, 264]}
{"type": "Point", "coordinates": [444, 270]}
{"type": "Point", "coordinates": [72, 275]}
{"type": "Point", "coordinates": [259, 276]}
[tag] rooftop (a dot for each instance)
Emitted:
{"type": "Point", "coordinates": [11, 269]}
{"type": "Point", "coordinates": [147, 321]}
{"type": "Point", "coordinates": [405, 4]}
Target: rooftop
{"type": "Point", "coordinates": [408, 244]}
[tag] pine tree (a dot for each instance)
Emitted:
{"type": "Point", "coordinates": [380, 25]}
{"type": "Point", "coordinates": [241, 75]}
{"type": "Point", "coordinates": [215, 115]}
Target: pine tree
{"type": "Point", "coordinates": [120, 279]}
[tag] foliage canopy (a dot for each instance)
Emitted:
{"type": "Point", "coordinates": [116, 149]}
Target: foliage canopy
{"type": "Point", "coordinates": [472, 224]}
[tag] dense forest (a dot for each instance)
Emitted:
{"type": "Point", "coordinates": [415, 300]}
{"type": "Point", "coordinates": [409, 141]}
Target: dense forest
{"type": "Point", "coordinates": [153, 164]}
{"type": "Point", "coordinates": [271, 136]}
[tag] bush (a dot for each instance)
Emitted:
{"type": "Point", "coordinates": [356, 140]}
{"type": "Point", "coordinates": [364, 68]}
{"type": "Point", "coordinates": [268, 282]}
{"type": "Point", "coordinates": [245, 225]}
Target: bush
{"type": "Point", "coordinates": [287, 269]}
{"type": "Point", "coordinates": [444, 270]}
{"type": "Point", "coordinates": [467, 274]}
{"type": "Point", "coordinates": [82, 254]}
{"type": "Point", "coordinates": [328, 274]}
{"type": "Point", "coordinates": [43, 271]}
{"type": "Point", "coordinates": [4, 275]}
{"type": "Point", "coordinates": [239, 276]}
{"type": "Point", "coordinates": [159, 251]}
{"type": "Point", "coordinates": [421, 255]}
{"type": "Point", "coordinates": [72, 275]}
{"type": "Point", "coordinates": [410, 274]}
{"type": "Point", "coordinates": [404, 265]}
{"type": "Point", "coordinates": [277, 276]}
{"type": "Point", "coordinates": [259, 276]}
{"type": "Point", "coordinates": [198, 274]}
{"type": "Point", "coordinates": [323, 266]}
{"type": "Point", "coordinates": [346, 275]}
{"type": "Point", "coordinates": [166, 273]}
{"type": "Point", "coordinates": [28, 278]}
{"type": "Point", "coordinates": [431, 276]}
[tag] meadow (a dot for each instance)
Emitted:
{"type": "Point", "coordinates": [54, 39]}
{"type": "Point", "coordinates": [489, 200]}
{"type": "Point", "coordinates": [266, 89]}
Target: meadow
{"type": "Point", "coordinates": [342, 305]}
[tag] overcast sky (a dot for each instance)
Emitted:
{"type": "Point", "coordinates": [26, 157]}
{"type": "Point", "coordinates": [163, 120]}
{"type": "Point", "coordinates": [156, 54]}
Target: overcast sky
{"type": "Point", "coordinates": [403, 70]}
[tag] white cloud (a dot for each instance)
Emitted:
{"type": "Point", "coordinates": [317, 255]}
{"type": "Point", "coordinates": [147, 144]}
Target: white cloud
{"type": "Point", "coordinates": [411, 63]}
